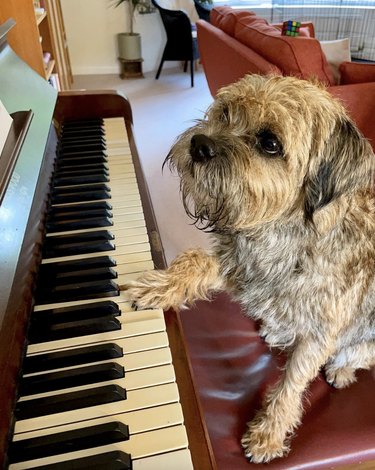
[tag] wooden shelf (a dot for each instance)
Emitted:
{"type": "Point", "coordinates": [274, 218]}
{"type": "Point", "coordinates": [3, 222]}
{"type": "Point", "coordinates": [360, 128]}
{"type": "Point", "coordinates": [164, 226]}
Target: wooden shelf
{"type": "Point", "coordinates": [40, 18]}
{"type": "Point", "coordinates": [35, 34]}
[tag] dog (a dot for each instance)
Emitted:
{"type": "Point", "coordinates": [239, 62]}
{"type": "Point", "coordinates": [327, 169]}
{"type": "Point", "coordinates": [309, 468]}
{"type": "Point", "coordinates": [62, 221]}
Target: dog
{"type": "Point", "coordinates": [283, 180]}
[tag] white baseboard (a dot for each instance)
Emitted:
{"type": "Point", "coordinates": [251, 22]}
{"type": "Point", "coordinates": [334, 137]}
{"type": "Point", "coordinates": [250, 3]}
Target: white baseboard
{"type": "Point", "coordinates": [112, 69]}
{"type": "Point", "coordinates": [96, 70]}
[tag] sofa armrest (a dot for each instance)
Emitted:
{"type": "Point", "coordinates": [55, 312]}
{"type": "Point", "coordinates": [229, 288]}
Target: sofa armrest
{"type": "Point", "coordinates": [355, 72]}
{"type": "Point", "coordinates": [225, 60]}
{"type": "Point", "coordinates": [359, 101]}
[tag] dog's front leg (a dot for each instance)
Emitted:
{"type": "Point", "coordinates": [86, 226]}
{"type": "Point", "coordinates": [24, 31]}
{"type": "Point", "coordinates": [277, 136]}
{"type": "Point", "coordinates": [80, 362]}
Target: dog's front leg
{"type": "Point", "coordinates": [191, 276]}
{"type": "Point", "coordinates": [267, 435]}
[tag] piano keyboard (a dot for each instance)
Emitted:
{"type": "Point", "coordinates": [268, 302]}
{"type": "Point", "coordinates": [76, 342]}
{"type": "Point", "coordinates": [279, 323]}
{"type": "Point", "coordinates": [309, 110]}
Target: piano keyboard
{"type": "Point", "coordinates": [98, 387]}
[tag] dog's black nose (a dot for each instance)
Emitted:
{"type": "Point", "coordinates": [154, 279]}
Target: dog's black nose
{"type": "Point", "coordinates": [202, 148]}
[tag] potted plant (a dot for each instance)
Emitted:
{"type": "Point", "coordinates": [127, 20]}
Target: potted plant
{"type": "Point", "coordinates": [129, 44]}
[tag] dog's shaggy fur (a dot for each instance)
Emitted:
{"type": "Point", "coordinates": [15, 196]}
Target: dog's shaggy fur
{"type": "Point", "coordinates": [284, 180]}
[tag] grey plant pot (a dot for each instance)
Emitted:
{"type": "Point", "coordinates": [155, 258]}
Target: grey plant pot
{"type": "Point", "coordinates": [129, 46]}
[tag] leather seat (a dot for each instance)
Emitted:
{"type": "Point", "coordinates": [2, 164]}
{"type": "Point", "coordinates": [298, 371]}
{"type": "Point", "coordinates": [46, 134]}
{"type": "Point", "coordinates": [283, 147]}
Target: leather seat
{"type": "Point", "coordinates": [233, 367]}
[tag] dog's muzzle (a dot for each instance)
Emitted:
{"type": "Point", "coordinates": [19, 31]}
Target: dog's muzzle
{"type": "Point", "coordinates": [202, 148]}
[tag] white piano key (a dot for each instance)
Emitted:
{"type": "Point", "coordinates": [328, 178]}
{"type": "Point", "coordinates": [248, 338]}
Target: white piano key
{"type": "Point", "coordinates": [149, 321]}
{"type": "Point", "coordinates": [134, 268]}
{"type": "Point", "coordinates": [138, 421]}
{"type": "Point", "coordinates": [122, 300]}
{"type": "Point", "coordinates": [180, 460]}
{"type": "Point", "coordinates": [139, 446]}
{"type": "Point", "coordinates": [119, 229]}
{"type": "Point", "coordinates": [134, 253]}
{"type": "Point", "coordinates": [132, 381]}
{"type": "Point", "coordinates": [136, 400]}
{"type": "Point", "coordinates": [129, 345]}
{"type": "Point", "coordinates": [119, 199]}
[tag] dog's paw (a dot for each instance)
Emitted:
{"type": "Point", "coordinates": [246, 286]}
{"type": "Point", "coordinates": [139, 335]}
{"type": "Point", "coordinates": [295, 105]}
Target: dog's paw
{"type": "Point", "coordinates": [260, 444]}
{"type": "Point", "coordinates": [340, 377]}
{"type": "Point", "coordinates": [152, 290]}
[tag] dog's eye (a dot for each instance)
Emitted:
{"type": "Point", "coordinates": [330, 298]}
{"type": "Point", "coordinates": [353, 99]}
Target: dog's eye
{"type": "Point", "coordinates": [269, 144]}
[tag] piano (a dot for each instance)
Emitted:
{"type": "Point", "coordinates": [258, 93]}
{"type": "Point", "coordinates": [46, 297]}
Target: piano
{"type": "Point", "coordinates": [86, 381]}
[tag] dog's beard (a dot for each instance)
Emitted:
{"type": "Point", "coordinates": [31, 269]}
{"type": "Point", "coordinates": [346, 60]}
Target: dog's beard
{"type": "Point", "coordinates": [202, 197]}
{"type": "Point", "coordinates": [206, 187]}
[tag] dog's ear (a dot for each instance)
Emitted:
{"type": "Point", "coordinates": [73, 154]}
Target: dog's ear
{"type": "Point", "coordinates": [345, 165]}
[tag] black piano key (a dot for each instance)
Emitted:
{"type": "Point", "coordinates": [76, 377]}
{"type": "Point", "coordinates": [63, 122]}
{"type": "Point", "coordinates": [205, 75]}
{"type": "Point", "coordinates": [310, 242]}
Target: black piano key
{"type": "Point", "coordinates": [56, 331]}
{"type": "Point", "coordinates": [82, 133]}
{"type": "Point", "coordinates": [81, 179]}
{"type": "Point", "coordinates": [79, 237]}
{"type": "Point", "coordinates": [68, 249]}
{"type": "Point", "coordinates": [71, 357]}
{"type": "Point", "coordinates": [96, 235]}
{"type": "Point", "coordinates": [88, 209]}
{"type": "Point", "coordinates": [76, 265]}
{"type": "Point", "coordinates": [63, 212]}
{"type": "Point", "coordinates": [93, 145]}
{"type": "Point", "coordinates": [76, 171]}
{"type": "Point", "coordinates": [66, 141]}
{"type": "Point", "coordinates": [78, 291]}
{"type": "Point", "coordinates": [77, 151]}
{"type": "Point", "coordinates": [81, 161]}
{"type": "Point", "coordinates": [78, 224]}
{"type": "Point", "coordinates": [68, 441]}
{"type": "Point", "coordinates": [81, 139]}
{"type": "Point", "coordinates": [69, 155]}
{"type": "Point", "coordinates": [81, 189]}
{"type": "Point", "coordinates": [77, 312]}
{"type": "Point", "coordinates": [69, 401]}
{"type": "Point", "coordinates": [116, 460]}
{"type": "Point", "coordinates": [71, 277]}
{"type": "Point", "coordinates": [83, 196]}
{"type": "Point", "coordinates": [50, 381]}
{"type": "Point", "coordinates": [81, 123]}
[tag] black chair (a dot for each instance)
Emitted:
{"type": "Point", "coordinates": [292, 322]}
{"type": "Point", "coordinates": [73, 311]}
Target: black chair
{"type": "Point", "coordinates": [203, 10]}
{"type": "Point", "coordinates": [181, 45]}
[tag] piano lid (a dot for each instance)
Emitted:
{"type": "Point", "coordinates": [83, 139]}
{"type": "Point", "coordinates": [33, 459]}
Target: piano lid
{"type": "Point", "coordinates": [21, 89]}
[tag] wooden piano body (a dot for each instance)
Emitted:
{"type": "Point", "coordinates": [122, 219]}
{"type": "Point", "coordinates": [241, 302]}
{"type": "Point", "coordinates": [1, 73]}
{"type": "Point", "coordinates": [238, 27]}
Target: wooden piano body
{"type": "Point", "coordinates": [27, 164]}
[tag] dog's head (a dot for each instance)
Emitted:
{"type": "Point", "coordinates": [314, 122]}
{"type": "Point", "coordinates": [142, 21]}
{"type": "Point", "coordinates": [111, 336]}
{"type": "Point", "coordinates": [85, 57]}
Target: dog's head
{"type": "Point", "coordinates": [269, 148]}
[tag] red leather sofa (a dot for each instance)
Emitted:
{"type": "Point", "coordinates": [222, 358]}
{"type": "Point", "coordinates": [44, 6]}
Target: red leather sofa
{"type": "Point", "coordinates": [237, 42]}
{"type": "Point", "coordinates": [233, 367]}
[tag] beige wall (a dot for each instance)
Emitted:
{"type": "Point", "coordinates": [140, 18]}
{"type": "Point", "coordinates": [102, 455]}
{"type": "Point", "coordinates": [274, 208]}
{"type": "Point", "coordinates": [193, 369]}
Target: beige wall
{"type": "Point", "coordinates": [91, 28]}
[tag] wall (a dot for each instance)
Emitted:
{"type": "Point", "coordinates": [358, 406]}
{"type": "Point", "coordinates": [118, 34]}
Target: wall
{"type": "Point", "coordinates": [91, 28]}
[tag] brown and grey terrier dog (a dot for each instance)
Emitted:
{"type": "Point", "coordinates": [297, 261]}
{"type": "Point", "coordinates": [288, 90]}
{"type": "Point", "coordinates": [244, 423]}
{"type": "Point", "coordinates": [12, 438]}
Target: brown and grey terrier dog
{"type": "Point", "coordinates": [284, 180]}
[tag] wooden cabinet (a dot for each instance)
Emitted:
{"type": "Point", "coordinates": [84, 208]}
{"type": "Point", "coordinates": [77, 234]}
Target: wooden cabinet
{"type": "Point", "coordinates": [39, 38]}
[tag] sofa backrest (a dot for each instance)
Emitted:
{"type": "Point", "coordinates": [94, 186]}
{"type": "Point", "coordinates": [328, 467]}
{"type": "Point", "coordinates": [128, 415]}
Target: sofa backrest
{"type": "Point", "coordinates": [225, 60]}
{"type": "Point", "coordinates": [298, 56]}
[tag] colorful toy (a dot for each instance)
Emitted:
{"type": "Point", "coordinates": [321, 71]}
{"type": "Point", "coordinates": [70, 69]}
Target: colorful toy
{"type": "Point", "coordinates": [290, 28]}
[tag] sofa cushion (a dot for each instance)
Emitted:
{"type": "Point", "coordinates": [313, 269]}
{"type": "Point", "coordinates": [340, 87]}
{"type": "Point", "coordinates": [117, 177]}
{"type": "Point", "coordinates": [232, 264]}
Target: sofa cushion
{"type": "Point", "coordinates": [226, 18]}
{"type": "Point", "coordinates": [336, 52]}
{"type": "Point", "coordinates": [299, 56]}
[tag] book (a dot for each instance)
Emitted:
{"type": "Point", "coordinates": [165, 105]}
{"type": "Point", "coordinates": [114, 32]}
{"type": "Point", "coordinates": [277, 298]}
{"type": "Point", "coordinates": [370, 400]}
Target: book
{"type": "Point", "coordinates": [5, 125]}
